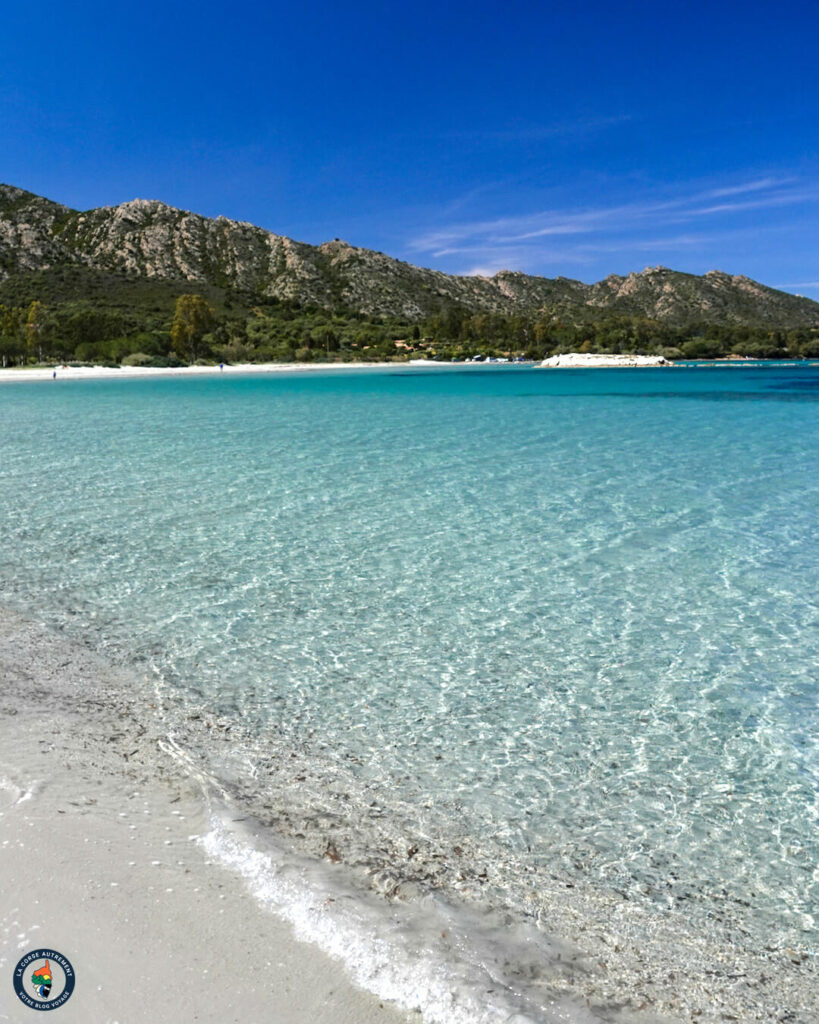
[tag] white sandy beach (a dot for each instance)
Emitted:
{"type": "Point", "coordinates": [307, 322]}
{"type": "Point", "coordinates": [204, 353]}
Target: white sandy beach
{"type": "Point", "coordinates": [100, 860]}
{"type": "Point", "coordinates": [46, 373]}
{"type": "Point", "coordinates": [571, 360]}
{"type": "Point", "coordinates": [65, 372]}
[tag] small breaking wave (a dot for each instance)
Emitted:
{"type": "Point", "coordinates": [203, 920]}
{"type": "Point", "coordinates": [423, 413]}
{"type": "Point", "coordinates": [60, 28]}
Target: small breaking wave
{"type": "Point", "coordinates": [455, 965]}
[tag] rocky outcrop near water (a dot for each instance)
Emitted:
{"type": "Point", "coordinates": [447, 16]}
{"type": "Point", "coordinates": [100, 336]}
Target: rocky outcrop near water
{"type": "Point", "coordinates": [586, 360]}
{"type": "Point", "coordinates": [148, 239]}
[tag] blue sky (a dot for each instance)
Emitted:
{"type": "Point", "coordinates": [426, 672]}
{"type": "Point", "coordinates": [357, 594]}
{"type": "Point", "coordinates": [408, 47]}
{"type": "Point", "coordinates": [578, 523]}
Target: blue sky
{"type": "Point", "coordinates": [467, 137]}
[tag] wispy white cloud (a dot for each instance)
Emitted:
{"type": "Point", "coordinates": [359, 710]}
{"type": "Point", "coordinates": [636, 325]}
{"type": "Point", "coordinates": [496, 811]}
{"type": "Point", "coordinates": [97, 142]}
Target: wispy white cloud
{"type": "Point", "coordinates": [486, 270]}
{"type": "Point", "coordinates": [750, 186]}
{"type": "Point", "coordinates": [637, 225]}
{"type": "Point", "coordinates": [672, 242]}
{"type": "Point", "coordinates": [488, 260]}
{"type": "Point", "coordinates": [788, 198]}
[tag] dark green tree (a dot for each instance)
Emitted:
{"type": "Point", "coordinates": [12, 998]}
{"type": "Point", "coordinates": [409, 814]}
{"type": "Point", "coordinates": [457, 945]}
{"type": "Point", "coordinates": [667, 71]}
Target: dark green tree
{"type": "Point", "coordinates": [193, 318]}
{"type": "Point", "coordinates": [35, 326]}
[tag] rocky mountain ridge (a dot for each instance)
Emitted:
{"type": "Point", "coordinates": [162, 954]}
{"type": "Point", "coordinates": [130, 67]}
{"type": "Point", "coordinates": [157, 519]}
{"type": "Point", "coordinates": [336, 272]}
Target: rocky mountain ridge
{"type": "Point", "coordinates": [148, 239]}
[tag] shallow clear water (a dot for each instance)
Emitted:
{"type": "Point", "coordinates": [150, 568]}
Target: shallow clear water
{"type": "Point", "coordinates": [567, 618]}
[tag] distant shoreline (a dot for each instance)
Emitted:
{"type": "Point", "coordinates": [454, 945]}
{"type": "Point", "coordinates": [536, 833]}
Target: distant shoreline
{"type": "Point", "coordinates": [122, 372]}
{"type": "Point", "coordinates": [47, 373]}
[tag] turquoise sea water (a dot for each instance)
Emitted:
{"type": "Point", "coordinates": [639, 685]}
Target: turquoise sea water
{"type": "Point", "coordinates": [563, 622]}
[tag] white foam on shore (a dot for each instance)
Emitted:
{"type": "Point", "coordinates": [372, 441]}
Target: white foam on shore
{"type": "Point", "coordinates": [420, 954]}
{"type": "Point", "coordinates": [14, 793]}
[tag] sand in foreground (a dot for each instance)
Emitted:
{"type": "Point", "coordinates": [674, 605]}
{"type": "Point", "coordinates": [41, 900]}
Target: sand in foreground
{"type": "Point", "coordinates": [102, 864]}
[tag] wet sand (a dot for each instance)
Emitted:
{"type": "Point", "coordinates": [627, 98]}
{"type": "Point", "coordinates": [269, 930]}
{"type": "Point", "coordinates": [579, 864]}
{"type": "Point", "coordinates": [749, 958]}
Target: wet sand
{"type": "Point", "coordinates": [100, 860]}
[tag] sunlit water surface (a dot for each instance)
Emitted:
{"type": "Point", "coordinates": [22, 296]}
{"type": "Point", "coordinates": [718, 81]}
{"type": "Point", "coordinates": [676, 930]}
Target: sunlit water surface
{"type": "Point", "coordinates": [569, 615]}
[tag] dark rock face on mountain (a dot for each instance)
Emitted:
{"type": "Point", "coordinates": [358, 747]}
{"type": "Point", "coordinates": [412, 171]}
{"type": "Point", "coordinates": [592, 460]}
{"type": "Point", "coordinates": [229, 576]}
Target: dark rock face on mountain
{"type": "Point", "coordinates": [147, 239]}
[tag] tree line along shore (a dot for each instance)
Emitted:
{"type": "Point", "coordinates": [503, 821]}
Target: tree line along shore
{"type": "Point", "coordinates": [166, 324]}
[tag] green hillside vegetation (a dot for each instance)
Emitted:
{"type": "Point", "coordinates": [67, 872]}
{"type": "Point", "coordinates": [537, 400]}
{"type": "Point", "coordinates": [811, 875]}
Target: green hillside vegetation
{"type": "Point", "coordinates": [77, 314]}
